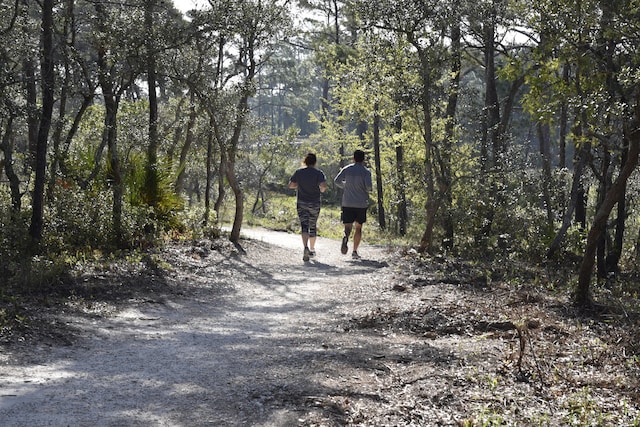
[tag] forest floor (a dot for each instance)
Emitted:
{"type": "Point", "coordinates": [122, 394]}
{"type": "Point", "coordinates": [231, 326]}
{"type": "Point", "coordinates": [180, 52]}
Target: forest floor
{"type": "Point", "coordinates": [210, 333]}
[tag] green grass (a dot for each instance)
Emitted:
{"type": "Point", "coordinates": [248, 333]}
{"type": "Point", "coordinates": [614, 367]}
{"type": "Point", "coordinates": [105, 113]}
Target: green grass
{"type": "Point", "coordinates": [281, 214]}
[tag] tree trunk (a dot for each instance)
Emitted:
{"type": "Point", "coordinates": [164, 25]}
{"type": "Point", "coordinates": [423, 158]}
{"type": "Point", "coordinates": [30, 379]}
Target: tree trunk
{"type": "Point", "coordinates": [545, 155]}
{"type": "Point", "coordinates": [62, 110]}
{"type": "Point", "coordinates": [402, 197]}
{"type": "Point", "coordinates": [239, 199]}
{"type": "Point", "coordinates": [583, 291]}
{"type": "Point", "coordinates": [433, 199]}
{"type": "Point", "coordinates": [47, 70]}
{"type": "Point", "coordinates": [208, 185]}
{"type": "Point", "coordinates": [6, 146]}
{"type": "Point", "coordinates": [109, 138]}
{"type": "Point", "coordinates": [221, 187]}
{"type": "Point", "coordinates": [427, 236]}
{"type": "Point", "coordinates": [564, 113]}
{"type": "Point", "coordinates": [615, 249]}
{"type": "Point", "coordinates": [401, 185]}
{"type": "Point", "coordinates": [178, 130]}
{"type": "Point", "coordinates": [32, 109]}
{"type": "Point", "coordinates": [491, 102]}
{"type": "Point", "coordinates": [376, 149]}
{"type": "Point", "coordinates": [603, 188]}
{"type": "Point", "coordinates": [491, 145]}
{"type": "Point", "coordinates": [151, 188]}
{"type": "Point", "coordinates": [450, 122]}
{"type": "Point", "coordinates": [86, 103]}
{"type": "Point", "coordinates": [186, 147]}
{"type": "Point", "coordinates": [57, 138]}
{"type": "Point", "coordinates": [111, 128]}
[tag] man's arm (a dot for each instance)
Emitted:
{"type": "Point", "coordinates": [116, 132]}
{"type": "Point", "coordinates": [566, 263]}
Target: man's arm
{"type": "Point", "coordinates": [323, 186]}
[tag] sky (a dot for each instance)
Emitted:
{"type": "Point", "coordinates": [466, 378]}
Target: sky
{"type": "Point", "coordinates": [185, 5]}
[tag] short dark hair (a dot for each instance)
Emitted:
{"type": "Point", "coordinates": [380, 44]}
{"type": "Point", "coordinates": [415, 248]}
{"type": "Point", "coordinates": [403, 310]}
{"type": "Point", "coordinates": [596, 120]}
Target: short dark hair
{"type": "Point", "coordinates": [310, 159]}
{"type": "Point", "coordinates": [358, 156]}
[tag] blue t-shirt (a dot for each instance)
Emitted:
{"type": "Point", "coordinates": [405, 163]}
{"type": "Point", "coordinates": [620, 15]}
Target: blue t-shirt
{"type": "Point", "coordinates": [308, 180]}
{"type": "Point", "coordinates": [355, 180]}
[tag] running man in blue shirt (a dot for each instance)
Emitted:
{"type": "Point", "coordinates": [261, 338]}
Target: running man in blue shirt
{"type": "Point", "coordinates": [355, 180]}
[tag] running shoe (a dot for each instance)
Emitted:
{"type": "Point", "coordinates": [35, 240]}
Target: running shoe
{"type": "Point", "coordinates": [307, 254]}
{"type": "Point", "coordinates": [344, 248]}
{"type": "Point", "coordinates": [355, 255]}
{"type": "Point", "coordinates": [312, 254]}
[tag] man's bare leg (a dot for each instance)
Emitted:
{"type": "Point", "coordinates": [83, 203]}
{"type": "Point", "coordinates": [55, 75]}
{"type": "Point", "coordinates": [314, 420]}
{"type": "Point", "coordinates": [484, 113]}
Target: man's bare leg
{"type": "Point", "coordinates": [345, 238]}
{"type": "Point", "coordinates": [357, 236]}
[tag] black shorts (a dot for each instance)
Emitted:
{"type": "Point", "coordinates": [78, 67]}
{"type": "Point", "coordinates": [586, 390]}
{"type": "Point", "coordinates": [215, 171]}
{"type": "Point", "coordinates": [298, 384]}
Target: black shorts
{"type": "Point", "coordinates": [351, 215]}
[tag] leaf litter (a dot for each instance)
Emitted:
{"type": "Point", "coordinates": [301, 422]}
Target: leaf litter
{"type": "Point", "coordinates": [218, 334]}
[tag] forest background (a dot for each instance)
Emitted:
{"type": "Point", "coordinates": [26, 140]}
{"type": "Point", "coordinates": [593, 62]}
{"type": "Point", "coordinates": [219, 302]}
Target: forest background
{"type": "Point", "coordinates": [495, 129]}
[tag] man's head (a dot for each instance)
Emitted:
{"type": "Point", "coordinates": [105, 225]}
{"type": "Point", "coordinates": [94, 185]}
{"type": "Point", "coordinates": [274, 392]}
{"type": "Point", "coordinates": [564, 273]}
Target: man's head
{"type": "Point", "coordinates": [310, 159]}
{"type": "Point", "coordinates": [358, 156]}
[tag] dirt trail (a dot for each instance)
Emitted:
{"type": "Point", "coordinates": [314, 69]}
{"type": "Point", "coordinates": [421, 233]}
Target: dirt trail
{"type": "Point", "coordinates": [221, 336]}
{"type": "Point", "coordinates": [256, 338]}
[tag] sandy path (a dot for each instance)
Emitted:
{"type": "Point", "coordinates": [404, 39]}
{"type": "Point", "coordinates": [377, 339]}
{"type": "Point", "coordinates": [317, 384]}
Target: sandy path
{"type": "Point", "coordinates": [259, 340]}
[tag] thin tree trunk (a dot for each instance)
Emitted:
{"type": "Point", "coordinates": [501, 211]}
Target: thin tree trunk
{"type": "Point", "coordinates": [615, 249]}
{"type": "Point", "coordinates": [402, 197]}
{"type": "Point", "coordinates": [178, 130]}
{"type": "Point", "coordinates": [186, 147]}
{"type": "Point", "coordinates": [208, 185]}
{"type": "Point", "coordinates": [14, 181]}
{"type": "Point", "coordinates": [47, 70]}
{"type": "Point", "coordinates": [111, 128]}
{"type": "Point", "coordinates": [400, 187]}
{"type": "Point", "coordinates": [239, 199]}
{"type": "Point", "coordinates": [221, 187]}
{"type": "Point", "coordinates": [564, 114]}
{"type": "Point", "coordinates": [545, 154]}
{"type": "Point", "coordinates": [427, 236]}
{"type": "Point", "coordinates": [603, 189]}
{"type": "Point", "coordinates": [450, 122]}
{"type": "Point", "coordinates": [491, 144]}
{"type": "Point", "coordinates": [57, 137]}
{"type": "Point", "coordinates": [62, 109]}
{"type": "Point", "coordinates": [32, 109]}
{"type": "Point", "coordinates": [87, 100]}
{"type": "Point", "coordinates": [152, 190]}
{"type": "Point", "coordinates": [109, 138]}
{"type": "Point", "coordinates": [491, 102]}
{"type": "Point", "coordinates": [433, 199]}
{"type": "Point", "coordinates": [376, 149]}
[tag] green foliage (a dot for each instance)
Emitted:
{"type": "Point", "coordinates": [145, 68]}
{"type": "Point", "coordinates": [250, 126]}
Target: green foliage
{"type": "Point", "coordinates": [193, 227]}
{"type": "Point", "coordinates": [501, 215]}
{"type": "Point", "coordinates": [383, 60]}
{"type": "Point", "coordinates": [13, 242]}
{"type": "Point", "coordinates": [18, 269]}
{"type": "Point", "coordinates": [161, 214]}
{"type": "Point", "coordinates": [281, 213]}
{"type": "Point", "coordinates": [78, 220]}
